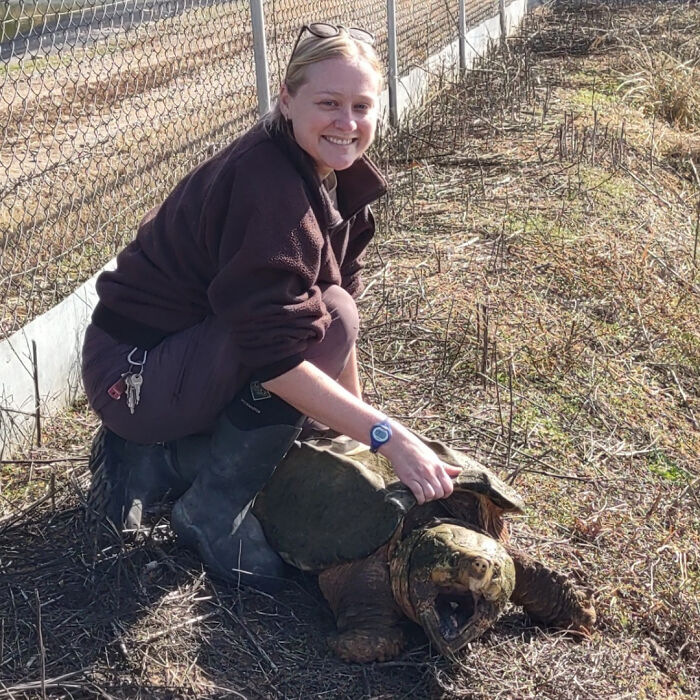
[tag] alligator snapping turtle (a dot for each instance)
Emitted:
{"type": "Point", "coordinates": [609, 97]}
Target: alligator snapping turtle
{"type": "Point", "coordinates": [381, 558]}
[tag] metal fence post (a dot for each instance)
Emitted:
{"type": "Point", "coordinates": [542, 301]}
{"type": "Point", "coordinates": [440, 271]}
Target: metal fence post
{"type": "Point", "coordinates": [502, 18]}
{"type": "Point", "coordinates": [260, 54]}
{"type": "Point", "coordinates": [393, 62]}
{"type": "Point", "coordinates": [462, 21]}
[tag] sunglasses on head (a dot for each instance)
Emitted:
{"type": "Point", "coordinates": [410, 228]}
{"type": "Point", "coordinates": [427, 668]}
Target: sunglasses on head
{"type": "Point", "coordinates": [324, 30]}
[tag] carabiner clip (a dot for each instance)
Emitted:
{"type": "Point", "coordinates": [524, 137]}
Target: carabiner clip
{"type": "Point", "coordinates": [131, 361]}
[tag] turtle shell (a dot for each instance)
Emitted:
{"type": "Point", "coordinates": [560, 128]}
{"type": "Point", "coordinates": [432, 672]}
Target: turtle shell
{"type": "Point", "coordinates": [322, 508]}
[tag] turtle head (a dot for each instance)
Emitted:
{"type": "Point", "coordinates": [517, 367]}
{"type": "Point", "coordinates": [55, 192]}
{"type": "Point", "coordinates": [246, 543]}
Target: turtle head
{"type": "Point", "coordinates": [452, 581]}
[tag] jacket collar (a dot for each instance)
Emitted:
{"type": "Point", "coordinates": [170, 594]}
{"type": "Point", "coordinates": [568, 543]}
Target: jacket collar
{"type": "Point", "coordinates": [359, 185]}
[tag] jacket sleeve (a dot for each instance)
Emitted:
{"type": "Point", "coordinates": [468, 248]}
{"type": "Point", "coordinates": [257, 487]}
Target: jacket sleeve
{"type": "Point", "coordinates": [361, 233]}
{"type": "Point", "coordinates": [268, 260]}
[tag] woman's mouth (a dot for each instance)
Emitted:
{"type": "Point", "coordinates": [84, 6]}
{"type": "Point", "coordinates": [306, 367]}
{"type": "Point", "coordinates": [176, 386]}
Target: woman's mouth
{"type": "Point", "coordinates": [338, 141]}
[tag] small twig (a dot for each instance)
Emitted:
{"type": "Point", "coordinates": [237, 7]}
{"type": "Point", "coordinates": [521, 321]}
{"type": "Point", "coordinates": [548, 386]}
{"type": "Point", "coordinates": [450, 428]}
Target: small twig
{"type": "Point", "coordinates": [230, 691]}
{"type": "Point", "coordinates": [570, 477]}
{"type": "Point", "coordinates": [630, 453]}
{"type": "Point", "coordinates": [509, 449]}
{"type": "Point", "coordinates": [40, 641]}
{"type": "Point", "coordinates": [697, 233]}
{"type": "Point", "coordinates": [21, 513]}
{"type": "Point", "coordinates": [16, 410]}
{"type": "Point", "coordinates": [45, 461]}
{"type": "Point", "coordinates": [697, 215]}
{"type": "Point", "coordinates": [120, 642]}
{"type": "Point", "coordinates": [58, 682]}
{"type": "Point", "coordinates": [684, 399]}
{"type": "Point", "coordinates": [647, 188]}
{"type": "Point", "coordinates": [248, 633]}
{"type": "Point", "coordinates": [675, 274]}
{"type": "Point", "coordinates": [161, 633]}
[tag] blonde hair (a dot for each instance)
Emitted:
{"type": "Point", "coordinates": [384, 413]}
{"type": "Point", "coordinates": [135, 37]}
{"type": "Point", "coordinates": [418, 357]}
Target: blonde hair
{"type": "Point", "coordinates": [313, 49]}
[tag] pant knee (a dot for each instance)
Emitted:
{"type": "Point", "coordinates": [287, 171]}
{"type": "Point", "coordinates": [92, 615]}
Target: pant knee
{"type": "Point", "coordinates": [331, 354]}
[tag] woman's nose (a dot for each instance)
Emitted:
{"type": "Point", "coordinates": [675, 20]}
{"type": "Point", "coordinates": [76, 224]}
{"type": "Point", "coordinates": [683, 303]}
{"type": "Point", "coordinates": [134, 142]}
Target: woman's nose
{"type": "Point", "coordinates": [346, 121]}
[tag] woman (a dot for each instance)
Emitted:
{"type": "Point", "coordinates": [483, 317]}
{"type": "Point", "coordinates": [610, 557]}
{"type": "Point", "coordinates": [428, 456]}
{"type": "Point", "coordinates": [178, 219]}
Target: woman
{"type": "Point", "coordinates": [231, 318]}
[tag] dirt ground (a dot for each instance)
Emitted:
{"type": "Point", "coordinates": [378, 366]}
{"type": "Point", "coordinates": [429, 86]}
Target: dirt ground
{"type": "Point", "coordinates": [532, 298]}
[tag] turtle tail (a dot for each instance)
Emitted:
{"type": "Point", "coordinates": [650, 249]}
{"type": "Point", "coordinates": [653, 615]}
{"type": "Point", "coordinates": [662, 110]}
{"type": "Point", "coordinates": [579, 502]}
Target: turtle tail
{"type": "Point", "coordinates": [550, 597]}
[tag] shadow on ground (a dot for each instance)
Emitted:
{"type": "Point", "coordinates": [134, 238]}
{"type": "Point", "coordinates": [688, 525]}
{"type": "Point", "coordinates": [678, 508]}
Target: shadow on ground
{"type": "Point", "coordinates": [141, 620]}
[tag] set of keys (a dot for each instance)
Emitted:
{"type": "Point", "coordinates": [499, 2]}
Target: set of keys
{"type": "Point", "coordinates": [134, 379]}
{"type": "Point", "coordinates": [133, 389]}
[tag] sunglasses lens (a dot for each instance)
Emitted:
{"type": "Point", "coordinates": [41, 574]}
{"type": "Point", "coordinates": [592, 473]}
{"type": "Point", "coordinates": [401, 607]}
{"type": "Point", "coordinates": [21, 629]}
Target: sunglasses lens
{"type": "Point", "coordinates": [323, 30]}
{"type": "Point", "coordinates": [361, 35]}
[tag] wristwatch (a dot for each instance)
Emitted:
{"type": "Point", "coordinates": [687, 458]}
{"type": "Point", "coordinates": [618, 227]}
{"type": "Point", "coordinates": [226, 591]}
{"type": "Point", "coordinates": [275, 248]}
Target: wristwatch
{"type": "Point", "coordinates": [379, 435]}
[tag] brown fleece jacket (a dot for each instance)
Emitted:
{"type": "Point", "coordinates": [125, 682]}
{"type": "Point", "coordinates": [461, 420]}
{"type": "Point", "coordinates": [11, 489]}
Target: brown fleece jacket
{"type": "Point", "coordinates": [251, 236]}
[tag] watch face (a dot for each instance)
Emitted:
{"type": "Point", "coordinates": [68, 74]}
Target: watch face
{"type": "Point", "coordinates": [380, 433]}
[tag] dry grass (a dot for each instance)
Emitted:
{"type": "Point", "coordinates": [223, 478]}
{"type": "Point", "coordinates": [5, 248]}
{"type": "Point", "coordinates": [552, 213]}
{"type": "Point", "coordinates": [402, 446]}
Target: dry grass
{"type": "Point", "coordinates": [667, 87]}
{"type": "Point", "coordinates": [664, 76]}
{"type": "Point", "coordinates": [534, 298]}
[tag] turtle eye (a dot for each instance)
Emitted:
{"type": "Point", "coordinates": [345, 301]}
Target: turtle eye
{"type": "Point", "coordinates": [455, 559]}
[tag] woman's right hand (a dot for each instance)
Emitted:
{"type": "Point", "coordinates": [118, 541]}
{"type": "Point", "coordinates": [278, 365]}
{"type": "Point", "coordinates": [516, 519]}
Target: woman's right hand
{"type": "Point", "coordinates": [418, 467]}
{"type": "Point", "coordinates": [315, 394]}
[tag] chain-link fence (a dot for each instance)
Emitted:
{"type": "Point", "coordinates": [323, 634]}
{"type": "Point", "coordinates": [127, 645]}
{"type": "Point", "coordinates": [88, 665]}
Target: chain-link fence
{"type": "Point", "coordinates": [104, 106]}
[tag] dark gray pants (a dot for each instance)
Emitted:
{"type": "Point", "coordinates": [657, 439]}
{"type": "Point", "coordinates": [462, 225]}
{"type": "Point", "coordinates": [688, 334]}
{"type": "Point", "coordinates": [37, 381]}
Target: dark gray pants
{"type": "Point", "coordinates": [192, 375]}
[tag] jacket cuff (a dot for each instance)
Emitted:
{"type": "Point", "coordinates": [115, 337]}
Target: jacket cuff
{"type": "Point", "coordinates": [264, 374]}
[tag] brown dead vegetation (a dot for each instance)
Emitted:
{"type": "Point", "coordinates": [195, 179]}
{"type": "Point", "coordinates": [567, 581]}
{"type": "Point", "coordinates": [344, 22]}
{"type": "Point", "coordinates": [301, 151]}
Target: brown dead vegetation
{"type": "Point", "coordinates": [533, 297]}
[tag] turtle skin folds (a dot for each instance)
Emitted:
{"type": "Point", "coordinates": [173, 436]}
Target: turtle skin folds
{"type": "Point", "coordinates": [370, 625]}
{"type": "Point", "coordinates": [550, 597]}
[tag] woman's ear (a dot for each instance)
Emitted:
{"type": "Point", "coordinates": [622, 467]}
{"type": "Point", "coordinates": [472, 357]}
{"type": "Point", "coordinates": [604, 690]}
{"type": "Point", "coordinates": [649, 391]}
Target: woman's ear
{"type": "Point", "coordinates": [284, 101]}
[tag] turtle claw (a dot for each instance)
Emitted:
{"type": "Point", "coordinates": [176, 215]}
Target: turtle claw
{"type": "Point", "coordinates": [362, 646]}
{"type": "Point", "coordinates": [583, 632]}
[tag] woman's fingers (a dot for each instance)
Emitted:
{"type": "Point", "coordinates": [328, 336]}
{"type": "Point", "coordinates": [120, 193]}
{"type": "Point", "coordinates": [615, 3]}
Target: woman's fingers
{"type": "Point", "coordinates": [446, 481]}
{"type": "Point", "coordinates": [422, 471]}
{"type": "Point", "coordinates": [429, 491]}
{"type": "Point", "coordinates": [452, 470]}
{"type": "Point", "coordinates": [417, 491]}
{"type": "Point", "coordinates": [433, 484]}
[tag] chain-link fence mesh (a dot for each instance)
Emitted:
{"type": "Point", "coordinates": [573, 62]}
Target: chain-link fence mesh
{"type": "Point", "coordinates": [104, 106]}
{"type": "Point", "coordinates": [477, 12]}
{"type": "Point", "coordinates": [285, 17]}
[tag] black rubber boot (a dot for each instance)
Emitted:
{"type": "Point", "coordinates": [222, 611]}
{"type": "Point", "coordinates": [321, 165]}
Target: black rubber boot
{"type": "Point", "coordinates": [129, 479]}
{"type": "Point", "coordinates": [213, 517]}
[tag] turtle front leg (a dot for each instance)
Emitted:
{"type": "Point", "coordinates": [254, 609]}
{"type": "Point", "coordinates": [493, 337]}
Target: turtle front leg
{"type": "Point", "coordinates": [550, 597]}
{"type": "Point", "coordinates": [369, 623]}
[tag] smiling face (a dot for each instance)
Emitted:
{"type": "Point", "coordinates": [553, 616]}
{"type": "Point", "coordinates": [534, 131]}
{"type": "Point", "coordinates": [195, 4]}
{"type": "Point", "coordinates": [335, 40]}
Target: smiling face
{"type": "Point", "coordinates": [334, 113]}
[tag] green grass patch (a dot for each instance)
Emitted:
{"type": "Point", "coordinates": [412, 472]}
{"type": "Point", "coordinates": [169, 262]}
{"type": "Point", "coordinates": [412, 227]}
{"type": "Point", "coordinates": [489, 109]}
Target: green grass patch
{"type": "Point", "coordinates": [547, 228]}
{"type": "Point", "coordinates": [593, 98]}
{"type": "Point", "coordinates": [664, 467]}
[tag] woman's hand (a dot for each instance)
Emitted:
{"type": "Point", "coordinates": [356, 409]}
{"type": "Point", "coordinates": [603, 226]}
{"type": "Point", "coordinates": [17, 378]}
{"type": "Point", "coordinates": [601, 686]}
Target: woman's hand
{"type": "Point", "coordinates": [318, 396]}
{"type": "Point", "coordinates": [418, 467]}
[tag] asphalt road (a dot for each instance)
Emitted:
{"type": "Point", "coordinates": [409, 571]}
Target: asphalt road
{"type": "Point", "coordinates": [84, 27]}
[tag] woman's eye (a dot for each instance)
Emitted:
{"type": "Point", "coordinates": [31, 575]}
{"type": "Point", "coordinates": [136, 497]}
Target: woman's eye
{"type": "Point", "coordinates": [328, 103]}
{"type": "Point", "coordinates": [362, 108]}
